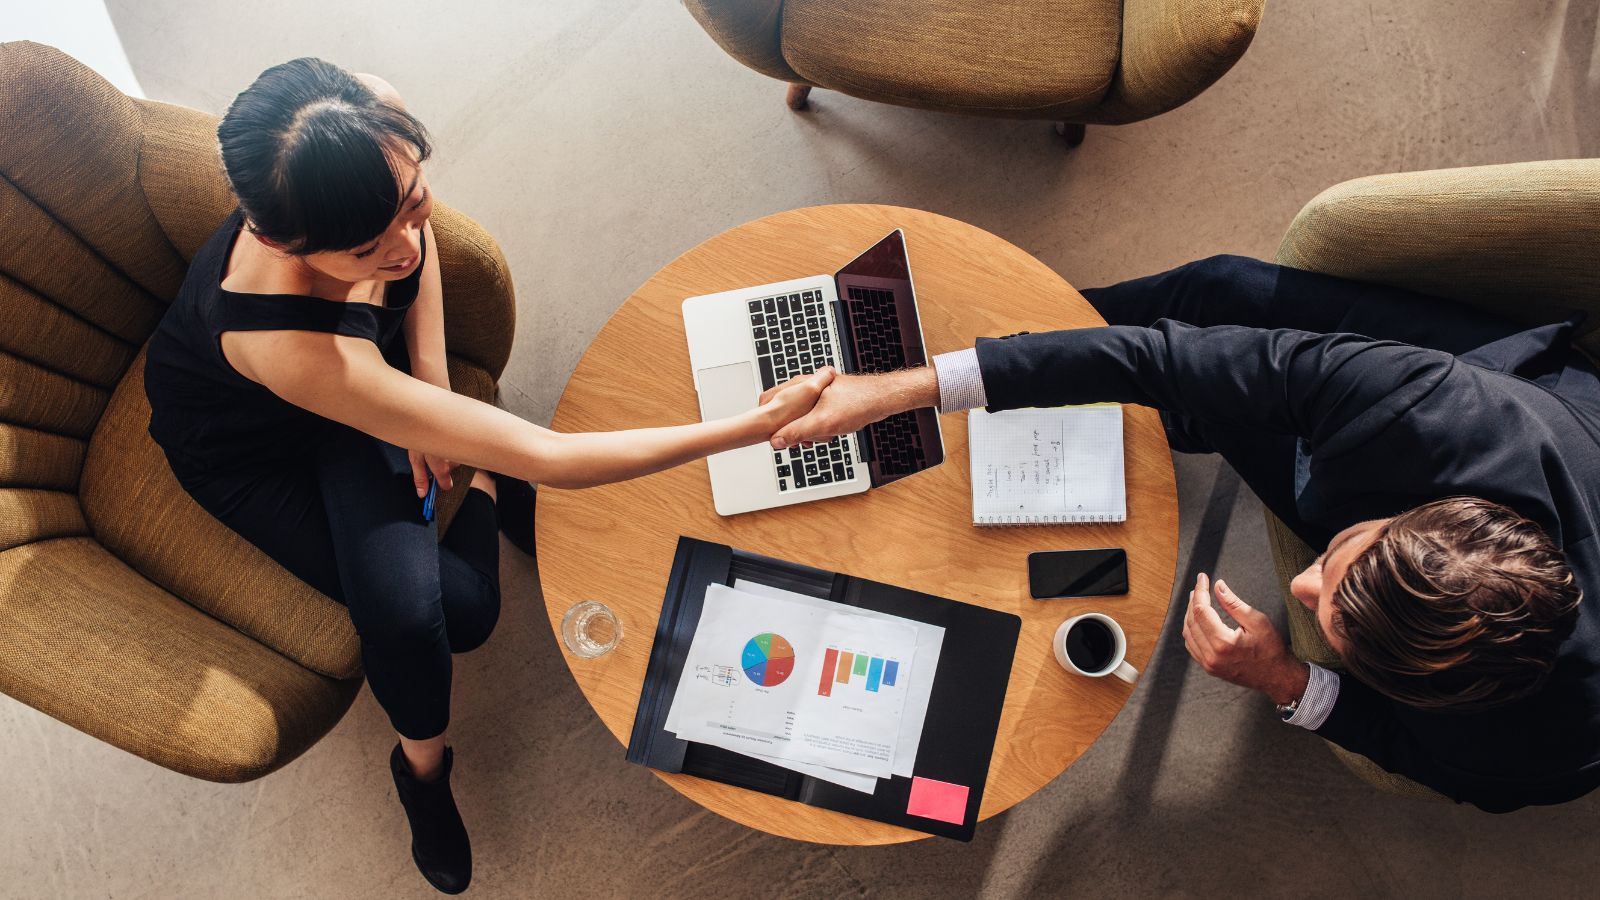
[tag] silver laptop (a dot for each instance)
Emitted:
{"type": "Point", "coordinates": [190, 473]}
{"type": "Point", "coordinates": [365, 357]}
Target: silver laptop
{"type": "Point", "coordinates": [861, 319]}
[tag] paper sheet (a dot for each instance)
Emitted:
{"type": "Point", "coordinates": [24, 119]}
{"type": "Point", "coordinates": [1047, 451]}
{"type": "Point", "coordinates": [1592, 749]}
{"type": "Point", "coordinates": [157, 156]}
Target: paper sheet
{"type": "Point", "coordinates": [866, 784]}
{"type": "Point", "coordinates": [754, 681]}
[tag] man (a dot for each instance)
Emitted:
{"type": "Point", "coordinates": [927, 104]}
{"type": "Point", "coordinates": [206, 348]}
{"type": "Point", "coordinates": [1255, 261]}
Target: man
{"type": "Point", "coordinates": [1449, 461]}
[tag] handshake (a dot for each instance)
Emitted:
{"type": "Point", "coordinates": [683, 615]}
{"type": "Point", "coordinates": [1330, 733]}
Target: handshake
{"type": "Point", "coordinates": [827, 403]}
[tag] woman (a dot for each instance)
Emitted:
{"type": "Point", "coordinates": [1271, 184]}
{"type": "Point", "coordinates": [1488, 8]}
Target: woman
{"type": "Point", "coordinates": [298, 387]}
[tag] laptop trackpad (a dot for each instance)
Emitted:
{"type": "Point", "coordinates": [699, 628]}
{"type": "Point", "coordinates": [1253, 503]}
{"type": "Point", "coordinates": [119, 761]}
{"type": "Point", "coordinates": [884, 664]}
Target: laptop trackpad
{"type": "Point", "coordinates": [727, 390]}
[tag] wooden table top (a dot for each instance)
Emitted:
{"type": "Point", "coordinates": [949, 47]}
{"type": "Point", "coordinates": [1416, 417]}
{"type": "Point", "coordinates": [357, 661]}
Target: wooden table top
{"type": "Point", "coordinates": [615, 543]}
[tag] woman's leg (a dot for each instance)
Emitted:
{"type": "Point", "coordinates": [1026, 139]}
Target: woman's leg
{"type": "Point", "coordinates": [390, 570]}
{"type": "Point", "coordinates": [281, 513]}
{"type": "Point", "coordinates": [414, 600]}
{"type": "Point", "coordinates": [388, 565]}
{"type": "Point", "coordinates": [469, 587]}
{"type": "Point", "coordinates": [469, 568]}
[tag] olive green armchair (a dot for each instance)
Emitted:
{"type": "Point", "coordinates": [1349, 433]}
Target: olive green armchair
{"type": "Point", "coordinates": [1073, 61]}
{"type": "Point", "coordinates": [126, 611]}
{"type": "Point", "coordinates": [1519, 240]}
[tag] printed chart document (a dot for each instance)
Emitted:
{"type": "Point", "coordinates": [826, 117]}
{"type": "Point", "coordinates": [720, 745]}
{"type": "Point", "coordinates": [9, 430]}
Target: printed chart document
{"type": "Point", "coordinates": [773, 677]}
{"type": "Point", "coordinates": [930, 640]}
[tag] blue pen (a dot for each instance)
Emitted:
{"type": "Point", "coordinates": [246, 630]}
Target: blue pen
{"type": "Point", "coordinates": [427, 501]}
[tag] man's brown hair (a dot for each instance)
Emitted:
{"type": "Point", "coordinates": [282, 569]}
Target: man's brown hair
{"type": "Point", "coordinates": [1460, 603]}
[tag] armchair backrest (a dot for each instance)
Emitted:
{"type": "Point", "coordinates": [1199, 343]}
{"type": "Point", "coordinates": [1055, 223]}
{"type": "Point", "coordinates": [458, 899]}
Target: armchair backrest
{"type": "Point", "coordinates": [85, 271]}
{"type": "Point", "coordinates": [1520, 240]}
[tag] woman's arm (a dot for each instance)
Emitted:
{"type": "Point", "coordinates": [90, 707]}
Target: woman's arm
{"type": "Point", "coordinates": [424, 332]}
{"type": "Point", "coordinates": [346, 379]}
{"type": "Point", "coordinates": [424, 323]}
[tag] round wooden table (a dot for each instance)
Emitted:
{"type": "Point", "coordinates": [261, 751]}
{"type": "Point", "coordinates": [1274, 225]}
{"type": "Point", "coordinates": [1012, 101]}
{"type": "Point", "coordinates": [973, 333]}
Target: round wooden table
{"type": "Point", "coordinates": [615, 543]}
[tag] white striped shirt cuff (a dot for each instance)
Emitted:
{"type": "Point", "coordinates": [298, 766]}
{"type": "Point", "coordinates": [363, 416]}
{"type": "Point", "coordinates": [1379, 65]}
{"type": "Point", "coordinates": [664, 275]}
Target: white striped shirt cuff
{"type": "Point", "coordinates": [1322, 691]}
{"type": "Point", "coordinates": [960, 381]}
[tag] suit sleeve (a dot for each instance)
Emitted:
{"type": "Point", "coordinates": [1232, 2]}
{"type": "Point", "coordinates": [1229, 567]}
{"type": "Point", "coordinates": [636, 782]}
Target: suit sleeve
{"type": "Point", "coordinates": [1314, 386]}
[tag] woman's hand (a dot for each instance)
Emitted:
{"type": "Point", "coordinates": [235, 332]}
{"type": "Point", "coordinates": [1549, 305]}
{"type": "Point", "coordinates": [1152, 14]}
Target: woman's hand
{"type": "Point", "coordinates": [794, 398]}
{"type": "Point", "coordinates": [422, 464]}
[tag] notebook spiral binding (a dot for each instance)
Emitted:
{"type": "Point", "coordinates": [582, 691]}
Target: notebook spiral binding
{"type": "Point", "coordinates": [1072, 519]}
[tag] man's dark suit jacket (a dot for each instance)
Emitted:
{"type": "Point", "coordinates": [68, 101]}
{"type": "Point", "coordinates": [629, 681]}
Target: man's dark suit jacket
{"type": "Point", "coordinates": [1385, 427]}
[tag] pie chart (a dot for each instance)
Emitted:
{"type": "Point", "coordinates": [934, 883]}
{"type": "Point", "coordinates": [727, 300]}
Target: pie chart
{"type": "Point", "coordinates": [768, 659]}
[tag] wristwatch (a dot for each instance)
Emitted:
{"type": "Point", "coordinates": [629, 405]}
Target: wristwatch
{"type": "Point", "coordinates": [1286, 710]}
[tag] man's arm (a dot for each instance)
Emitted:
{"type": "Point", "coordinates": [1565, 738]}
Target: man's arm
{"type": "Point", "coordinates": [1283, 381]}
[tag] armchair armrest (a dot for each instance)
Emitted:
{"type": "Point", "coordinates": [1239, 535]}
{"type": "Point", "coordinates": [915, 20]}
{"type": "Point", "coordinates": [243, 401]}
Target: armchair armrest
{"type": "Point", "coordinates": [1171, 51]}
{"type": "Point", "coordinates": [749, 31]}
{"type": "Point", "coordinates": [1518, 240]}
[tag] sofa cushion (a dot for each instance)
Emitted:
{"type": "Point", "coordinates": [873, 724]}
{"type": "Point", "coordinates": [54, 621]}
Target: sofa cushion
{"type": "Point", "coordinates": [1009, 57]}
{"type": "Point", "coordinates": [90, 642]}
{"type": "Point", "coordinates": [138, 511]}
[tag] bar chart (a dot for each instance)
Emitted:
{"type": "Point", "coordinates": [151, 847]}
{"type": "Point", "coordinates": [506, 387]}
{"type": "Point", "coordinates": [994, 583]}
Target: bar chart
{"type": "Point", "coordinates": [843, 667]}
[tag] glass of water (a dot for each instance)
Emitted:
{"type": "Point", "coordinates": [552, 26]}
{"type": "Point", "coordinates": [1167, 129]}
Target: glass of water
{"type": "Point", "coordinates": [590, 629]}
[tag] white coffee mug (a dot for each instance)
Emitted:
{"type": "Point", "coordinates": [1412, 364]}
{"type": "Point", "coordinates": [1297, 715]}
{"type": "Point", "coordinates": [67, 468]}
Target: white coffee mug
{"type": "Point", "coordinates": [1118, 666]}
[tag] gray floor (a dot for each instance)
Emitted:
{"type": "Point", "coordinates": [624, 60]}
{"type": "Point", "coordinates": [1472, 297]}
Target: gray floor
{"type": "Point", "coordinates": [597, 139]}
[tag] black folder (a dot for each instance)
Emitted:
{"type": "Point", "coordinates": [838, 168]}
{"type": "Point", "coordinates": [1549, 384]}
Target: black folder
{"type": "Point", "coordinates": [958, 734]}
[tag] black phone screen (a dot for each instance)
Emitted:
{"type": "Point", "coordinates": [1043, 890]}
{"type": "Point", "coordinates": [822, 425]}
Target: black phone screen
{"type": "Point", "coordinates": [1077, 573]}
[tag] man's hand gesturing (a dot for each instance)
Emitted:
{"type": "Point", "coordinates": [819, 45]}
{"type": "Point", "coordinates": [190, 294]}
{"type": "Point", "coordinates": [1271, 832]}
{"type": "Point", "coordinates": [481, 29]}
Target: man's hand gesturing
{"type": "Point", "coordinates": [1253, 655]}
{"type": "Point", "coordinates": [852, 402]}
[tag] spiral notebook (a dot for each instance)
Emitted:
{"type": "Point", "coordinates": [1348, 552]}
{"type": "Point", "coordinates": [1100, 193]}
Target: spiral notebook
{"type": "Point", "coordinates": [1047, 466]}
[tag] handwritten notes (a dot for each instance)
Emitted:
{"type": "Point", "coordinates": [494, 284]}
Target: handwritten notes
{"type": "Point", "coordinates": [1042, 473]}
{"type": "Point", "coordinates": [1047, 465]}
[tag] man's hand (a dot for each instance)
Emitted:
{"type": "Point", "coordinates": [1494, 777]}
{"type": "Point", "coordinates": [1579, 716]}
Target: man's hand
{"type": "Point", "coordinates": [852, 402]}
{"type": "Point", "coordinates": [422, 464]}
{"type": "Point", "coordinates": [1253, 655]}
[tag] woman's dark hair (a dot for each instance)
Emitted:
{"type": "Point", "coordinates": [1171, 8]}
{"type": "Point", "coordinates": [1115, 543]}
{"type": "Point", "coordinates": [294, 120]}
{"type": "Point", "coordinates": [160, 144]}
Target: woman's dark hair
{"type": "Point", "coordinates": [311, 154]}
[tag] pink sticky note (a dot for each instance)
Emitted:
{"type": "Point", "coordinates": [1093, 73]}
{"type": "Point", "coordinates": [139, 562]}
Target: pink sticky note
{"type": "Point", "coordinates": [938, 800]}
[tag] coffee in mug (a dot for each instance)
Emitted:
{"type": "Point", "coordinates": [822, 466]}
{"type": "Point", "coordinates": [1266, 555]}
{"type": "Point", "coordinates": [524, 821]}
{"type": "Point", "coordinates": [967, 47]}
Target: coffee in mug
{"type": "Point", "coordinates": [1093, 644]}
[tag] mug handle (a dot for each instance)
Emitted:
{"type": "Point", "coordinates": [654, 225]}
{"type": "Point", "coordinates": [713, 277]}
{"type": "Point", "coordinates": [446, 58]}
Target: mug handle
{"type": "Point", "coordinates": [1127, 672]}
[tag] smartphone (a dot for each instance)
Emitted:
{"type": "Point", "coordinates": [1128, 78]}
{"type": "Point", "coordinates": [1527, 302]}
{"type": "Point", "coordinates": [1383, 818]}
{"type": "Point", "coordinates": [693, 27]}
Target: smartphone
{"type": "Point", "coordinates": [428, 501]}
{"type": "Point", "coordinates": [1078, 573]}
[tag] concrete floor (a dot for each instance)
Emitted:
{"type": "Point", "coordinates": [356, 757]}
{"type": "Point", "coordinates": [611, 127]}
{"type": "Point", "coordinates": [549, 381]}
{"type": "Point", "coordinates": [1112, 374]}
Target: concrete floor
{"type": "Point", "coordinates": [597, 139]}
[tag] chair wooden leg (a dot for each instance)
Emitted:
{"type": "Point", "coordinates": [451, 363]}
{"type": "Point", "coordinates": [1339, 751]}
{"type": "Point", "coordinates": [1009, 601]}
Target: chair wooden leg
{"type": "Point", "coordinates": [1072, 131]}
{"type": "Point", "coordinates": [797, 96]}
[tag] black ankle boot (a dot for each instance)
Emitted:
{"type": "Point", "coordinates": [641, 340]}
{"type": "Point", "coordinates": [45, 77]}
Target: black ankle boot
{"type": "Point", "coordinates": [439, 843]}
{"type": "Point", "coordinates": [513, 509]}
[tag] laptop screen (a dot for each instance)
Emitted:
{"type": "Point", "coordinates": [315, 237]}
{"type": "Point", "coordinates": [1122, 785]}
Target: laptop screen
{"type": "Point", "coordinates": [880, 310]}
{"type": "Point", "coordinates": [882, 333]}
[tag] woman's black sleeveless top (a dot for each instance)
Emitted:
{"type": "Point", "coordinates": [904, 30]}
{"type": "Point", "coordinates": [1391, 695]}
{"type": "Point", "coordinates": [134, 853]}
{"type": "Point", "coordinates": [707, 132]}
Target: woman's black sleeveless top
{"type": "Point", "coordinates": [211, 420]}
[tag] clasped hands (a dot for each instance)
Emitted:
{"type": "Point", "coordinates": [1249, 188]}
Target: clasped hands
{"type": "Point", "coordinates": [814, 408]}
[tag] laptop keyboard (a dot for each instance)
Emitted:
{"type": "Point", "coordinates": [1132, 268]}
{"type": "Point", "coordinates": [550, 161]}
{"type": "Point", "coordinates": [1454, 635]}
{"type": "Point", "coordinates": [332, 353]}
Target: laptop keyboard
{"type": "Point", "coordinates": [875, 325]}
{"type": "Point", "coordinates": [791, 333]}
{"type": "Point", "coordinates": [792, 338]}
{"type": "Point", "coordinates": [813, 466]}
